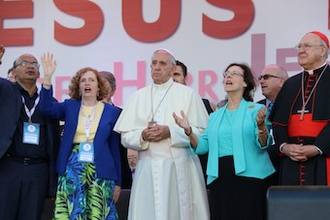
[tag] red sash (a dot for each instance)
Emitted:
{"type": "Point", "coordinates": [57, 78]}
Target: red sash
{"type": "Point", "coordinates": [309, 128]}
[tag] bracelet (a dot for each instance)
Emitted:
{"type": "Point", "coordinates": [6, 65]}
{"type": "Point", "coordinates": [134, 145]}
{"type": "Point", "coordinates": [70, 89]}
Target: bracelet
{"type": "Point", "coordinates": [190, 131]}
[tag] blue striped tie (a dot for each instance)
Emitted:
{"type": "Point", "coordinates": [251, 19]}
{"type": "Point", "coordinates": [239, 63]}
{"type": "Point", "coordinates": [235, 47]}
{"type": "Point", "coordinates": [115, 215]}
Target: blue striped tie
{"type": "Point", "coordinates": [269, 107]}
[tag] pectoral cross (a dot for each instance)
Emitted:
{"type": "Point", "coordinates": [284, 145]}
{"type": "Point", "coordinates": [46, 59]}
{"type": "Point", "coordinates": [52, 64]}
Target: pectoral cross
{"type": "Point", "coordinates": [302, 112]}
{"type": "Point", "coordinates": [152, 122]}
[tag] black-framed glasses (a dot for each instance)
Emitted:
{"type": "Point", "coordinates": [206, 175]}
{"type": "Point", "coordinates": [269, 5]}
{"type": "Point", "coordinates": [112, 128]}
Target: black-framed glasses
{"type": "Point", "coordinates": [267, 76]}
{"type": "Point", "coordinates": [233, 73]}
{"type": "Point", "coordinates": [25, 63]}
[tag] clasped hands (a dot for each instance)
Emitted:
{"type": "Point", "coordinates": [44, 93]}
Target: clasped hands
{"type": "Point", "coordinates": [155, 133]}
{"type": "Point", "coordinates": [299, 152]}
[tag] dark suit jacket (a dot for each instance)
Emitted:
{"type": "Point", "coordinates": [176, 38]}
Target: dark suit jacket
{"type": "Point", "coordinates": [10, 109]}
{"type": "Point", "coordinates": [207, 106]}
{"type": "Point", "coordinates": [263, 102]}
{"type": "Point", "coordinates": [126, 174]}
{"type": "Point", "coordinates": [203, 158]}
{"type": "Point", "coordinates": [273, 152]}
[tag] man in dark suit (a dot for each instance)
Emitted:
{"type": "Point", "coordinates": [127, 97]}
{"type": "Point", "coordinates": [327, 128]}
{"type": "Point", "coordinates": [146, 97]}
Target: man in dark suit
{"type": "Point", "coordinates": [180, 76]}
{"type": "Point", "coordinates": [271, 80]}
{"type": "Point", "coordinates": [28, 145]}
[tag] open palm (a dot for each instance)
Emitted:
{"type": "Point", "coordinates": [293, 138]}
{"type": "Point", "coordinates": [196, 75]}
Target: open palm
{"type": "Point", "coordinates": [182, 122]}
{"type": "Point", "coordinates": [49, 65]}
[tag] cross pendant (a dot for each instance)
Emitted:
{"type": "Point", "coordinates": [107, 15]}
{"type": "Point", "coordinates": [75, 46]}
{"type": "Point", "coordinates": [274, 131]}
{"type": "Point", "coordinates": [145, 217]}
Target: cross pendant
{"type": "Point", "coordinates": [302, 112]}
{"type": "Point", "coordinates": [152, 122]}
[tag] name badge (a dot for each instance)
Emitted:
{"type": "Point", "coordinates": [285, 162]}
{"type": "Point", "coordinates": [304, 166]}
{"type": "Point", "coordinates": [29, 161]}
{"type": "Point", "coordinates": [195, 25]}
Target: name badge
{"type": "Point", "coordinates": [86, 152]}
{"type": "Point", "coordinates": [31, 133]}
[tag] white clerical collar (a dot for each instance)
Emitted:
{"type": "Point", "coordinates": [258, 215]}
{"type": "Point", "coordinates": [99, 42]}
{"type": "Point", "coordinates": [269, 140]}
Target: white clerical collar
{"type": "Point", "coordinates": [310, 72]}
{"type": "Point", "coordinates": [162, 86]}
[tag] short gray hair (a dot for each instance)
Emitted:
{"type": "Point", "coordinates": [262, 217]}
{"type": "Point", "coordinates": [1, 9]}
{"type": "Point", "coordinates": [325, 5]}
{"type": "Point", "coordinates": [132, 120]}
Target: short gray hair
{"type": "Point", "coordinates": [173, 60]}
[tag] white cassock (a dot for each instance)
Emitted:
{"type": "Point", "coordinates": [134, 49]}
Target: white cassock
{"type": "Point", "coordinates": [168, 182]}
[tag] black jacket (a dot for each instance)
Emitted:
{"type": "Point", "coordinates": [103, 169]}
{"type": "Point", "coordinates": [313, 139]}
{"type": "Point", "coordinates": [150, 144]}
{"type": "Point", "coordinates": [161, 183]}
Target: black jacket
{"type": "Point", "coordinates": [10, 110]}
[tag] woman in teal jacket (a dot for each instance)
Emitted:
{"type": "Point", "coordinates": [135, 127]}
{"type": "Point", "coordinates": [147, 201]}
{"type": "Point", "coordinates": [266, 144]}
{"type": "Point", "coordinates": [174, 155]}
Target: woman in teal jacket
{"type": "Point", "coordinates": [236, 140]}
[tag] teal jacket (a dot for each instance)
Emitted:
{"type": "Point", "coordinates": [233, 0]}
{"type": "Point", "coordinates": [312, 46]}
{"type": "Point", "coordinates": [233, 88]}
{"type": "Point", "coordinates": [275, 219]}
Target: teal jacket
{"type": "Point", "coordinates": [250, 158]}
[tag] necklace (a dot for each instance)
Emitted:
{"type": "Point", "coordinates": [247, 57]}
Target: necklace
{"type": "Point", "coordinates": [305, 102]}
{"type": "Point", "coordinates": [231, 112]}
{"type": "Point", "coordinates": [153, 122]}
{"type": "Point", "coordinates": [230, 117]}
{"type": "Point", "coordinates": [88, 118]}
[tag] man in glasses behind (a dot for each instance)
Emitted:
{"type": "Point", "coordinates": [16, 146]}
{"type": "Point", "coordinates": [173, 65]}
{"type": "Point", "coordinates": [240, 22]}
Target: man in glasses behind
{"type": "Point", "coordinates": [28, 144]}
{"type": "Point", "coordinates": [271, 81]}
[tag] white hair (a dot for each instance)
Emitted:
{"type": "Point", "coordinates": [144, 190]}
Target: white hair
{"type": "Point", "coordinates": [173, 60]}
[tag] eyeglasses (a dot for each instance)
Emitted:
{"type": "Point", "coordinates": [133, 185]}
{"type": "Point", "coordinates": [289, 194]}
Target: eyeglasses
{"type": "Point", "coordinates": [234, 73]}
{"type": "Point", "coordinates": [25, 63]}
{"type": "Point", "coordinates": [307, 46]}
{"type": "Point", "coordinates": [267, 76]}
{"type": "Point", "coordinates": [132, 158]}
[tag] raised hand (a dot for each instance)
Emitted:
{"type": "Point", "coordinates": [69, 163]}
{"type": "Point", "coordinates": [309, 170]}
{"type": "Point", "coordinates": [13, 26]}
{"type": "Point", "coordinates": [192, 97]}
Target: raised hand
{"type": "Point", "coordinates": [49, 66]}
{"type": "Point", "coordinates": [182, 122]}
{"type": "Point", "coordinates": [260, 119]}
{"type": "Point", "coordinates": [2, 52]}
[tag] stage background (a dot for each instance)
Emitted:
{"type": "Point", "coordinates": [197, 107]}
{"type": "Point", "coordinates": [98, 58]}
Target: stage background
{"type": "Point", "coordinates": [120, 36]}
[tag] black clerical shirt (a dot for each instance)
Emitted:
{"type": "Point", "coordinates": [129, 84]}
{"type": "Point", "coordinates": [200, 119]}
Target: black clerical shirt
{"type": "Point", "coordinates": [20, 149]}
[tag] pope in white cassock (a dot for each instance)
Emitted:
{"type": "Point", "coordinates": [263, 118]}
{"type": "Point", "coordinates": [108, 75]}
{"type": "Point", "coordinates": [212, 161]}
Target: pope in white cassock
{"type": "Point", "coordinates": [168, 183]}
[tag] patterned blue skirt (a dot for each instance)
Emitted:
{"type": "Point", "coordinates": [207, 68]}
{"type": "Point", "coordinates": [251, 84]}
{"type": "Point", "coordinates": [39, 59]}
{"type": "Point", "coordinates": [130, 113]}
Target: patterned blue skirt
{"type": "Point", "coordinates": [80, 195]}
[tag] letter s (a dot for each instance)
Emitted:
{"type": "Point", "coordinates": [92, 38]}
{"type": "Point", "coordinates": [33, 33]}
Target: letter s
{"type": "Point", "coordinates": [243, 18]}
{"type": "Point", "coordinates": [87, 10]}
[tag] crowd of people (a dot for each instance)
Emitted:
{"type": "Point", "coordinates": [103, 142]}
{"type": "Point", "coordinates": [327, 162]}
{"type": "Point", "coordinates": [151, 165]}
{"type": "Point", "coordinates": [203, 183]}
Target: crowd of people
{"type": "Point", "coordinates": [182, 157]}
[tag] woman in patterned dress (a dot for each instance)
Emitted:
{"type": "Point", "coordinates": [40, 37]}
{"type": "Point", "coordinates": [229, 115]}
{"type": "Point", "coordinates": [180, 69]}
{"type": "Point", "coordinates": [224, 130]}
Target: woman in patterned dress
{"type": "Point", "coordinates": [88, 163]}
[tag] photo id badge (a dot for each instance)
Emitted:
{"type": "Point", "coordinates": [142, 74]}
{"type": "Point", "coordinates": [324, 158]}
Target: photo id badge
{"type": "Point", "coordinates": [31, 133]}
{"type": "Point", "coordinates": [86, 152]}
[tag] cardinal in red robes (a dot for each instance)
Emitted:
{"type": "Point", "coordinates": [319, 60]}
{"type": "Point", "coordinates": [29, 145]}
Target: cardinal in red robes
{"type": "Point", "coordinates": [301, 117]}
